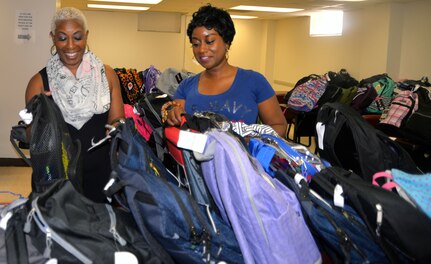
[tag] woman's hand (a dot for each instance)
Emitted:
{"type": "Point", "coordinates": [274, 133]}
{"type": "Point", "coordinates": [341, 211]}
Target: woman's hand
{"type": "Point", "coordinates": [172, 113]}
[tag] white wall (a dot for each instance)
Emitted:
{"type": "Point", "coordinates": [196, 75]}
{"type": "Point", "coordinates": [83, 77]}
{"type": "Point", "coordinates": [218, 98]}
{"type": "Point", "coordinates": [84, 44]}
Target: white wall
{"type": "Point", "coordinates": [19, 62]}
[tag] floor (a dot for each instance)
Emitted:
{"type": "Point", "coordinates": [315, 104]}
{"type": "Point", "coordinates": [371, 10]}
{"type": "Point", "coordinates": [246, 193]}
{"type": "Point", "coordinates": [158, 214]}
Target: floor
{"type": "Point", "coordinates": [14, 180]}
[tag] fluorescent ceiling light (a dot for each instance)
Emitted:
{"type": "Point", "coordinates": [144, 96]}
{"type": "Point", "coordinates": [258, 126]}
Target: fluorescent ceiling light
{"type": "Point", "coordinates": [150, 2]}
{"type": "Point", "coordinates": [266, 9]}
{"type": "Point", "coordinates": [242, 17]}
{"type": "Point", "coordinates": [138, 8]}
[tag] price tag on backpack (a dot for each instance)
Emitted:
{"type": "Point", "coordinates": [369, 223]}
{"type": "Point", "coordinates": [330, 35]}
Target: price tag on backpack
{"type": "Point", "coordinates": [320, 129]}
{"type": "Point", "coordinates": [192, 141]}
{"type": "Point", "coordinates": [338, 196]}
{"type": "Point", "coordinates": [125, 257]}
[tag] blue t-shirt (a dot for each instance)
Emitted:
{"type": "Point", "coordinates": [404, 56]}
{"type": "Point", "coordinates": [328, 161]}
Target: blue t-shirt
{"type": "Point", "coordinates": [239, 103]}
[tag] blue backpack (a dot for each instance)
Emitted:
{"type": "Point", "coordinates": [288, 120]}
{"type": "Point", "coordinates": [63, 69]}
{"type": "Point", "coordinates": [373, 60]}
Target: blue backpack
{"type": "Point", "coordinates": [299, 157]}
{"type": "Point", "coordinates": [265, 215]}
{"type": "Point", "coordinates": [189, 232]}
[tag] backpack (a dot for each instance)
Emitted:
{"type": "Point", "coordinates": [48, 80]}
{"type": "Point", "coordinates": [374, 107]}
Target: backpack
{"type": "Point", "coordinates": [131, 84]}
{"type": "Point", "coordinates": [62, 224]}
{"type": "Point", "coordinates": [264, 214]}
{"type": "Point", "coordinates": [342, 79]}
{"type": "Point", "coordinates": [418, 124]}
{"type": "Point", "coordinates": [170, 78]}
{"type": "Point", "coordinates": [384, 86]}
{"type": "Point", "coordinates": [187, 167]}
{"type": "Point", "coordinates": [339, 232]}
{"type": "Point", "coordinates": [188, 231]}
{"type": "Point", "coordinates": [149, 108]}
{"type": "Point", "coordinates": [149, 77]}
{"type": "Point", "coordinates": [346, 140]}
{"type": "Point", "coordinates": [18, 139]}
{"type": "Point", "coordinates": [14, 241]}
{"type": "Point", "coordinates": [402, 231]}
{"type": "Point", "coordinates": [305, 95]}
{"type": "Point", "coordinates": [402, 106]}
{"type": "Point", "coordinates": [298, 157]}
{"type": "Point", "coordinates": [363, 97]}
{"type": "Point", "coordinates": [53, 153]}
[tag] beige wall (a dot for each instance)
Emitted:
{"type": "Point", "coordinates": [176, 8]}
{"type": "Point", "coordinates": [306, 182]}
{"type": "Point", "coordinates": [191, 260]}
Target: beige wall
{"type": "Point", "coordinates": [416, 41]}
{"type": "Point", "coordinates": [362, 49]}
{"type": "Point", "coordinates": [115, 38]}
{"type": "Point", "coordinates": [385, 38]}
{"type": "Point", "coordinates": [117, 42]}
{"type": "Point", "coordinates": [19, 62]}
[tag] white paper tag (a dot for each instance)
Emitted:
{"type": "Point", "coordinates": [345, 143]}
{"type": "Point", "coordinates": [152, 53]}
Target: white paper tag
{"type": "Point", "coordinates": [52, 261]}
{"type": "Point", "coordinates": [320, 129]}
{"type": "Point", "coordinates": [338, 196]}
{"type": "Point", "coordinates": [27, 117]}
{"type": "Point", "coordinates": [192, 141]}
{"type": "Point", "coordinates": [4, 220]}
{"type": "Point", "coordinates": [122, 257]}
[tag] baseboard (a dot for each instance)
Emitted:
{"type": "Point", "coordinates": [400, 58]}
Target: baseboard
{"type": "Point", "coordinates": [12, 162]}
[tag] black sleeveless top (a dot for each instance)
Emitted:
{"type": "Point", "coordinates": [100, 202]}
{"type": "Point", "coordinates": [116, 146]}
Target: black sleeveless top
{"type": "Point", "coordinates": [96, 163]}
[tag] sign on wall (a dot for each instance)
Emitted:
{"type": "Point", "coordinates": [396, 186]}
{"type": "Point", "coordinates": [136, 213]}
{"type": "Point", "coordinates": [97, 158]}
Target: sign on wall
{"type": "Point", "coordinates": [24, 30]}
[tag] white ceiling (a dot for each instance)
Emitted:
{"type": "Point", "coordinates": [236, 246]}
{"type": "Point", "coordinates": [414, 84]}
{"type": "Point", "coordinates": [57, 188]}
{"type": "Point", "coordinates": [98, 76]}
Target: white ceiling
{"type": "Point", "coordinates": [189, 6]}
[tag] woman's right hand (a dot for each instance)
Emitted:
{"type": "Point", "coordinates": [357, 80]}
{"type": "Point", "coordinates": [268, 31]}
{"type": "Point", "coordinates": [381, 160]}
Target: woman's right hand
{"type": "Point", "coordinates": [174, 114]}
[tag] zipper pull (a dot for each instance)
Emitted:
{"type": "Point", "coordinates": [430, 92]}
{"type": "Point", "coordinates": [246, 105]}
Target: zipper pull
{"type": "Point", "coordinates": [47, 252]}
{"type": "Point", "coordinates": [117, 236]}
{"type": "Point", "coordinates": [112, 228]}
{"type": "Point", "coordinates": [27, 225]}
{"type": "Point", "coordinates": [379, 219]}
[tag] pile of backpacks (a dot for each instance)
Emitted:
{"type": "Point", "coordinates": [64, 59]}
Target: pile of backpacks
{"type": "Point", "coordinates": [400, 109]}
{"type": "Point", "coordinates": [217, 191]}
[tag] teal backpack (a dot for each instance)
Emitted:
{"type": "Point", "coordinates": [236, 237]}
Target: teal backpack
{"type": "Point", "coordinates": [384, 86]}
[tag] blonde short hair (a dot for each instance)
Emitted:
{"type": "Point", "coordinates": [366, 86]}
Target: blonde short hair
{"type": "Point", "coordinates": [68, 13]}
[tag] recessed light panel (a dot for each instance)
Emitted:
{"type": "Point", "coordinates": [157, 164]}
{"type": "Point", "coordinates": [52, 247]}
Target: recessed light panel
{"type": "Point", "coordinates": [266, 9]}
{"type": "Point", "coordinates": [135, 8]}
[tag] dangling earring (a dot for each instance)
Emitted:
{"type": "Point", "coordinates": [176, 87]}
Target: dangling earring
{"type": "Point", "coordinates": [87, 48]}
{"type": "Point", "coordinates": [227, 54]}
{"type": "Point", "coordinates": [53, 50]}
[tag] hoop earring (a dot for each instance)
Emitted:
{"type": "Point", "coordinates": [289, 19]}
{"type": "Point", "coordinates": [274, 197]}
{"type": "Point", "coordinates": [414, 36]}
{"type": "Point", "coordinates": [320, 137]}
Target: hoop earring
{"type": "Point", "coordinates": [53, 50]}
{"type": "Point", "coordinates": [87, 48]}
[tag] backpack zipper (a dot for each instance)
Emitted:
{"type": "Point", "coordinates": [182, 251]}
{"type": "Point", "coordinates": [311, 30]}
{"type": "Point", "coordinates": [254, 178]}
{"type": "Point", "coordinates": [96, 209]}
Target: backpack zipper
{"type": "Point", "coordinates": [113, 229]}
{"type": "Point", "coordinates": [38, 218]}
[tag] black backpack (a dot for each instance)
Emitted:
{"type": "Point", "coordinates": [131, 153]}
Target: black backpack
{"type": "Point", "coordinates": [63, 224]}
{"type": "Point", "coordinates": [418, 125]}
{"type": "Point", "coordinates": [347, 140]}
{"type": "Point", "coordinates": [53, 153]}
{"type": "Point", "coordinates": [402, 231]}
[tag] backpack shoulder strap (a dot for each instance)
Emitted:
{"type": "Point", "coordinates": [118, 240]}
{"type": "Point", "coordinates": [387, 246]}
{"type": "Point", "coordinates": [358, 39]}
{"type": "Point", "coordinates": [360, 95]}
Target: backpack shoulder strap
{"type": "Point", "coordinates": [44, 79]}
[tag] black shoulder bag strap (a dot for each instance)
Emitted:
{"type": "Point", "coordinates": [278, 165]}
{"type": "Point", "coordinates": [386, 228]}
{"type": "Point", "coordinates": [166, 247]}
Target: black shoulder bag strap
{"type": "Point", "coordinates": [44, 79]}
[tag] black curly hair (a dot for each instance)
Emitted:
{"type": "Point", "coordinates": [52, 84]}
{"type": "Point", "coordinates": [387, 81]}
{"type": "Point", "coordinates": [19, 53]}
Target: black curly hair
{"type": "Point", "coordinates": [215, 18]}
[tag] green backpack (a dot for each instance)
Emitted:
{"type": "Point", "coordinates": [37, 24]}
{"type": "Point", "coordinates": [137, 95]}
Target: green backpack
{"type": "Point", "coordinates": [384, 86]}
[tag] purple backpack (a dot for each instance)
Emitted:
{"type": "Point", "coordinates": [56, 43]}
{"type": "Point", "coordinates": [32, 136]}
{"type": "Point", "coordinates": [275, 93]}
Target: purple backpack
{"type": "Point", "coordinates": [265, 215]}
